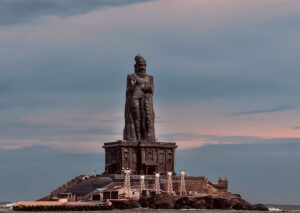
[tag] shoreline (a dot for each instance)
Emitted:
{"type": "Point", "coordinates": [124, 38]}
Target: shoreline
{"type": "Point", "coordinates": [7, 207]}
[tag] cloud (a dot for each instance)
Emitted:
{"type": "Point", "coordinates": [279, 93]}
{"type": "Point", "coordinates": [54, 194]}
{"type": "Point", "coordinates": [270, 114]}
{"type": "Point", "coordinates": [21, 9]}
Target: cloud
{"type": "Point", "coordinates": [204, 69]}
{"type": "Point", "coordinates": [82, 119]}
{"type": "Point", "coordinates": [296, 127]}
{"type": "Point", "coordinates": [90, 69]}
{"type": "Point", "coordinates": [25, 130]}
{"type": "Point", "coordinates": [259, 111]}
{"type": "Point", "coordinates": [202, 16]}
{"type": "Point", "coordinates": [24, 11]}
{"type": "Point", "coordinates": [209, 71]}
{"type": "Point", "coordinates": [11, 101]}
{"type": "Point", "coordinates": [192, 140]}
{"type": "Point", "coordinates": [4, 87]}
{"type": "Point", "coordinates": [77, 130]}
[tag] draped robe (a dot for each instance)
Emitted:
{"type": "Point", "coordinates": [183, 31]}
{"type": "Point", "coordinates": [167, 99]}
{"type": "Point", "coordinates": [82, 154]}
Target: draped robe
{"type": "Point", "coordinates": [139, 113]}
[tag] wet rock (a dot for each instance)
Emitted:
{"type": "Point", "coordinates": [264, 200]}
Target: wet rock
{"type": "Point", "coordinates": [206, 202]}
{"type": "Point", "coordinates": [135, 204]}
{"type": "Point", "coordinates": [221, 203]}
{"type": "Point", "coordinates": [165, 201]}
{"type": "Point", "coordinates": [159, 201]}
{"type": "Point", "coordinates": [120, 204]}
{"type": "Point", "coordinates": [183, 203]}
{"type": "Point", "coordinates": [199, 204]}
{"type": "Point", "coordinates": [241, 204]}
{"type": "Point", "coordinates": [209, 202]}
{"type": "Point", "coordinates": [259, 207]}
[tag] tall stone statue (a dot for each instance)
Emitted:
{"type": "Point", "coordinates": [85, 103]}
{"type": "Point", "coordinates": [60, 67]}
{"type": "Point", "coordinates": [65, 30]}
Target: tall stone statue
{"type": "Point", "coordinates": [139, 151]}
{"type": "Point", "coordinates": [139, 113]}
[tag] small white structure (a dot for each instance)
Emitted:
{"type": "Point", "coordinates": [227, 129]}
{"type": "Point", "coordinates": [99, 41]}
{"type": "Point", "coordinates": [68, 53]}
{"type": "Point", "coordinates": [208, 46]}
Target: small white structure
{"type": "Point", "coordinates": [127, 187]}
{"type": "Point", "coordinates": [142, 182]}
{"type": "Point", "coordinates": [157, 184]}
{"type": "Point", "coordinates": [170, 184]}
{"type": "Point", "coordinates": [182, 183]}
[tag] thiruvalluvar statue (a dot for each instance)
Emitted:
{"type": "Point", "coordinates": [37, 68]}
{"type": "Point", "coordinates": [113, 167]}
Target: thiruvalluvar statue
{"type": "Point", "coordinates": [139, 113]}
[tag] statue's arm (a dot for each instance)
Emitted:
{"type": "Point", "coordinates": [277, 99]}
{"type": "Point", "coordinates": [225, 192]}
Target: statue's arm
{"type": "Point", "coordinates": [152, 84]}
{"type": "Point", "coordinates": [130, 83]}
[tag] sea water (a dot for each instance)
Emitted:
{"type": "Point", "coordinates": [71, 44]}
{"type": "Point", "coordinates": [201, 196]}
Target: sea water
{"type": "Point", "coordinates": [7, 208]}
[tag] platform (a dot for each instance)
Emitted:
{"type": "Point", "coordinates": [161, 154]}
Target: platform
{"type": "Point", "coordinates": [141, 157]}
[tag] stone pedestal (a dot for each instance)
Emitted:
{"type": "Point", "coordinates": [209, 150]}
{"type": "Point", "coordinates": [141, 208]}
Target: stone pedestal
{"type": "Point", "coordinates": [141, 157]}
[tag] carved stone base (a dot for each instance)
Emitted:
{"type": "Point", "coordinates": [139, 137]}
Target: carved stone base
{"type": "Point", "coordinates": [141, 157]}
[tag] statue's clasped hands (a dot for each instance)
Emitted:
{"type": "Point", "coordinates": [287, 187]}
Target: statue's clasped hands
{"type": "Point", "coordinates": [147, 88]}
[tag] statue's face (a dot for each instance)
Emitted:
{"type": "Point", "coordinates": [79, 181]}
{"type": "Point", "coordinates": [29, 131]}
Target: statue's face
{"type": "Point", "coordinates": [141, 68]}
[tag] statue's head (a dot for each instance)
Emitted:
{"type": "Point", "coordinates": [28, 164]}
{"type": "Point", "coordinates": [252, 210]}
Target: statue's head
{"type": "Point", "coordinates": [140, 65]}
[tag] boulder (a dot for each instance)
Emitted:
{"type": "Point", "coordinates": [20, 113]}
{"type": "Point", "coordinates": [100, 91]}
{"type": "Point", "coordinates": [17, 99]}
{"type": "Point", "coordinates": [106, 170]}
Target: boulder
{"type": "Point", "coordinates": [183, 203]}
{"type": "Point", "coordinates": [158, 201]}
{"type": "Point", "coordinates": [165, 201]}
{"type": "Point", "coordinates": [121, 204]}
{"type": "Point", "coordinates": [199, 204]}
{"type": "Point", "coordinates": [135, 204]}
{"type": "Point", "coordinates": [259, 207]}
{"type": "Point", "coordinates": [222, 203]}
{"type": "Point", "coordinates": [209, 202]}
{"type": "Point", "coordinates": [205, 202]}
{"type": "Point", "coordinates": [240, 204]}
{"type": "Point", "coordinates": [145, 202]}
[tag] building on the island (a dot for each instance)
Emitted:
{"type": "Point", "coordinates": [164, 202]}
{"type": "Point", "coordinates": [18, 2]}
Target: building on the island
{"type": "Point", "coordinates": [115, 192]}
{"type": "Point", "coordinates": [222, 184]}
{"type": "Point", "coordinates": [64, 197]}
{"type": "Point", "coordinates": [98, 194]}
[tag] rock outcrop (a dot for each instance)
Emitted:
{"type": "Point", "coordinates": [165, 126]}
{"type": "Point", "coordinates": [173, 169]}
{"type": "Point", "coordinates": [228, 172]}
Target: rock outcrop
{"type": "Point", "coordinates": [165, 201]}
{"type": "Point", "coordinates": [202, 194]}
{"type": "Point", "coordinates": [259, 207]}
{"type": "Point", "coordinates": [159, 201]}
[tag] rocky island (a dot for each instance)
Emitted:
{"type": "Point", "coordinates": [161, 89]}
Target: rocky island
{"type": "Point", "coordinates": [139, 170]}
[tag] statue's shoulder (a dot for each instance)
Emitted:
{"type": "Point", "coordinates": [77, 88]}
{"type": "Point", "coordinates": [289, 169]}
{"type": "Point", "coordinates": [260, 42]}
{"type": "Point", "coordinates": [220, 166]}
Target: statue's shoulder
{"type": "Point", "coordinates": [132, 75]}
{"type": "Point", "coordinates": [150, 77]}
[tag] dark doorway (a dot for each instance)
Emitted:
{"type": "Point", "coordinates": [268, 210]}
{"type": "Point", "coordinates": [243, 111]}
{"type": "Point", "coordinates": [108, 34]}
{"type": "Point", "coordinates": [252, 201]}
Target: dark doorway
{"type": "Point", "coordinates": [96, 197]}
{"type": "Point", "coordinates": [113, 168]}
{"type": "Point", "coordinates": [150, 170]}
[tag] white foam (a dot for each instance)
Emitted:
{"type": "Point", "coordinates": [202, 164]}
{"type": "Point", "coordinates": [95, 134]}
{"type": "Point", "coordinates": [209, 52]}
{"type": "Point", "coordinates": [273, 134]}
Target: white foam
{"type": "Point", "coordinates": [274, 209]}
{"type": "Point", "coordinates": [8, 205]}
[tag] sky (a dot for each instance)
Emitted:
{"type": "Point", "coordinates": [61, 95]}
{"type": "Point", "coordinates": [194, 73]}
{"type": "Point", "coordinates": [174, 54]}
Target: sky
{"type": "Point", "coordinates": [226, 89]}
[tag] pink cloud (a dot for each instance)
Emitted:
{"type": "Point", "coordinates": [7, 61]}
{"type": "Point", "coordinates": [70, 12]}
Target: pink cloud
{"type": "Point", "coordinates": [209, 120]}
{"type": "Point", "coordinates": [191, 14]}
{"type": "Point", "coordinates": [198, 143]}
{"type": "Point", "coordinates": [78, 119]}
{"type": "Point", "coordinates": [186, 120]}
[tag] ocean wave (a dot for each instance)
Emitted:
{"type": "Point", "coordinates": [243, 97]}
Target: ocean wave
{"type": "Point", "coordinates": [7, 205]}
{"type": "Point", "coordinates": [274, 209]}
